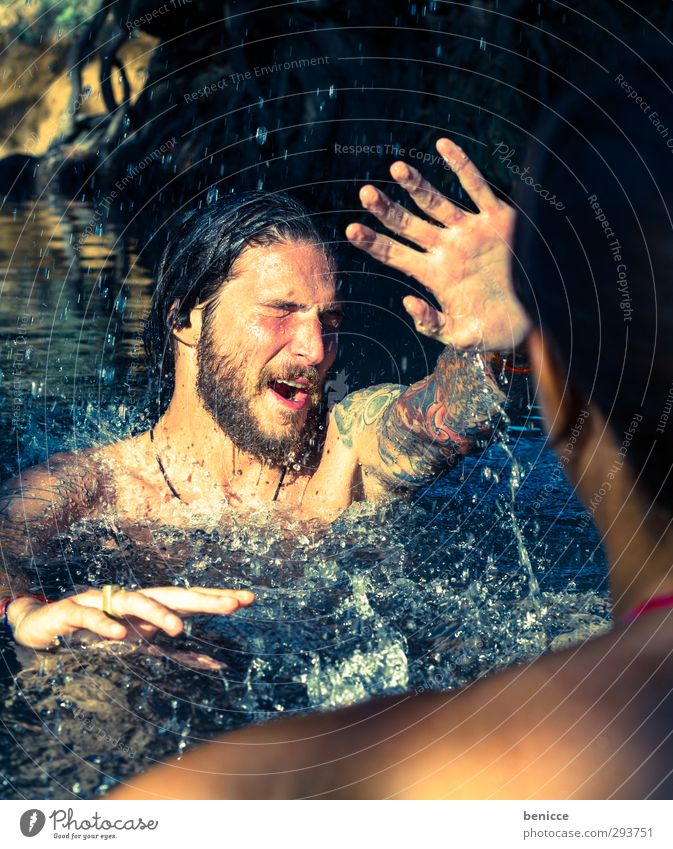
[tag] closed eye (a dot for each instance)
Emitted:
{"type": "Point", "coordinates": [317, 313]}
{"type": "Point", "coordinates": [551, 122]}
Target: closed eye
{"type": "Point", "coordinates": [280, 308]}
{"type": "Point", "coordinates": [330, 319]}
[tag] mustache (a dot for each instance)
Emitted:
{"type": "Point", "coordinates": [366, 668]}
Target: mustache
{"type": "Point", "coordinates": [309, 373]}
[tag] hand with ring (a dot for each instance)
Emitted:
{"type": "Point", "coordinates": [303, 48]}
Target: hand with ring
{"type": "Point", "coordinates": [115, 613]}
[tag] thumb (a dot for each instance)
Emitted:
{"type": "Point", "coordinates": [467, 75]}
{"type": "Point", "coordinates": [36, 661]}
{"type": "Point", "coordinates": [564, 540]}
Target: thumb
{"type": "Point", "coordinates": [427, 320]}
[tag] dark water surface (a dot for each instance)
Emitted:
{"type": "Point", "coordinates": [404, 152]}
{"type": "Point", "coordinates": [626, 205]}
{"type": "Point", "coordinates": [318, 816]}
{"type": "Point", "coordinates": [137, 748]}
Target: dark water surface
{"type": "Point", "coordinates": [493, 565]}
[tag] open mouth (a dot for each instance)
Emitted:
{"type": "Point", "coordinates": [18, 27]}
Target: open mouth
{"type": "Point", "coordinates": [291, 393]}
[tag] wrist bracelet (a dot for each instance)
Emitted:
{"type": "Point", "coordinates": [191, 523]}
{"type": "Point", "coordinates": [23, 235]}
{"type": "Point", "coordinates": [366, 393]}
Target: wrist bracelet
{"type": "Point", "coordinates": [516, 369]}
{"type": "Point", "coordinates": [504, 364]}
{"type": "Point", "coordinates": [4, 605]}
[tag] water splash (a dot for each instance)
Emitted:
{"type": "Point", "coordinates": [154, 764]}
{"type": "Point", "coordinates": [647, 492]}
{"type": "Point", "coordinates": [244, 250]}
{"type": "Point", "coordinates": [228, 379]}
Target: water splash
{"type": "Point", "coordinates": [388, 598]}
{"type": "Point", "coordinates": [524, 557]}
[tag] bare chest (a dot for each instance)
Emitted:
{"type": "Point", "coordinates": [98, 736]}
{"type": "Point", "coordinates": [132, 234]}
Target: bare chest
{"type": "Point", "coordinates": [144, 494]}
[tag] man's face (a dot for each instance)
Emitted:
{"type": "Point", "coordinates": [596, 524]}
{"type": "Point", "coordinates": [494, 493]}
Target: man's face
{"type": "Point", "coordinates": [266, 347]}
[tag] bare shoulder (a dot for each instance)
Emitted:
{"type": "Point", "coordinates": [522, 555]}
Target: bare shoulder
{"type": "Point", "coordinates": [574, 724]}
{"type": "Point", "coordinates": [59, 470]}
{"type": "Point", "coordinates": [361, 410]}
{"type": "Point", "coordinates": [124, 452]}
{"type": "Point", "coordinates": [341, 476]}
{"type": "Point", "coordinates": [128, 464]}
{"type": "Point", "coordinates": [66, 486]}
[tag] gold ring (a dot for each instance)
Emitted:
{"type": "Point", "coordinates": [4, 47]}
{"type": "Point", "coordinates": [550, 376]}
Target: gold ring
{"type": "Point", "coordinates": [108, 591]}
{"type": "Point", "coordinates": [57, 642]}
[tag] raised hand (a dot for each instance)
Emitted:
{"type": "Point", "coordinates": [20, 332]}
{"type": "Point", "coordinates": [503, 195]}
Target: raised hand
{"type": "Point", "coordinates": [141, 612]}
{"type": "Point", "coordinates": [464, 260]}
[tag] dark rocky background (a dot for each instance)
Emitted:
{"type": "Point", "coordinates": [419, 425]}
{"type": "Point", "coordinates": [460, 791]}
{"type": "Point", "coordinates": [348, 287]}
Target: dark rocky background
{"type": "Point", "coordinates": [381, 75]}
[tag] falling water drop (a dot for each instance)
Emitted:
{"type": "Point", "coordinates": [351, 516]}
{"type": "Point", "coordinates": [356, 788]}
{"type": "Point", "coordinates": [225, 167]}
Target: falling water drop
{"type": "Point", "coordinates": [261, 135]}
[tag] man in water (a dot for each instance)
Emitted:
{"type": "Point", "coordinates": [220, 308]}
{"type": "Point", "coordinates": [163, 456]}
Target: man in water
{"type": "Point", "coordinates": [243, 329]}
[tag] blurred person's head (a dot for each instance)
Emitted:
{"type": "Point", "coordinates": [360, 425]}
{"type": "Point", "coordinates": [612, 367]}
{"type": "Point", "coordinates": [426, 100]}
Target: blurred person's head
{"type": "Point", "coordinates": [597, 281]}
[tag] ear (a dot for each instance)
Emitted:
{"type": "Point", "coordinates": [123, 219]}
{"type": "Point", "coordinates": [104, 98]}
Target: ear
{"type": "Point", "coordinates": [189, 332]}
{"type": "Point", "coordinates": [559, 400]}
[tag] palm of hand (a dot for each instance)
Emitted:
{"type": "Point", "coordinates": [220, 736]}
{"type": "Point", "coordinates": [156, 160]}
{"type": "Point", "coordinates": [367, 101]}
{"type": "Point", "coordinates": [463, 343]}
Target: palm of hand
{"type": "Point", "coordinates": [464, 262]}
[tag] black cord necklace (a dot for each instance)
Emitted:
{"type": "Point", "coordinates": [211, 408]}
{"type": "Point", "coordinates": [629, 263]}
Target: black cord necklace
{"type": "Point", "coordinates": [177, 495]}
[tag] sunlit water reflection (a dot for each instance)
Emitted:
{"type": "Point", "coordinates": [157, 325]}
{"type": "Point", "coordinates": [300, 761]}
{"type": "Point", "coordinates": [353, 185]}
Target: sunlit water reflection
{"type": "Point", "coordinates": [489, 567]}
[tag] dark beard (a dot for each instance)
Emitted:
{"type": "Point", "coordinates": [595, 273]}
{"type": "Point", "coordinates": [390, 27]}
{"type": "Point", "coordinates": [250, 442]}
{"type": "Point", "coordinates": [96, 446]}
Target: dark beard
{"type": "Point", "coordinates": [223, 394]}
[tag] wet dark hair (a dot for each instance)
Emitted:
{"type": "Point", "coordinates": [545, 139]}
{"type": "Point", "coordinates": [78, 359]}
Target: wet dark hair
{"type": "Point", "coordinates": [597, 274]}
{"type": "Point", "coordinates": [199, 257]}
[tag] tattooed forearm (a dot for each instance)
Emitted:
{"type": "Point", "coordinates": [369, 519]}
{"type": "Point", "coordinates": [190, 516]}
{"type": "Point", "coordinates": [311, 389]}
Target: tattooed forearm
{"type": "Point", "coordinates": [406, 436]}
{"type": "Point", "coordinates": [438, 419]}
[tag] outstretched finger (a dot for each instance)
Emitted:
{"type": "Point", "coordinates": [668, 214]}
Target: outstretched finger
{"type": "Point", "coordinates": [198, 600]}
{"type": "Point", "coordinates": [398, 219]}
{"type": "Point", "coordinates": [469, 176]}
{"type": "Point", "coordinates": [425, 195]}
{"type": "Point", "coordinates": [386, 250]}
{"type": "Point", "coordinates": [242, 596]}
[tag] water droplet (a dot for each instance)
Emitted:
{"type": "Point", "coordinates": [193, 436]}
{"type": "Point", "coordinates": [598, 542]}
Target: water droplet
{"type": "Point", "coordinates": [261, 135]}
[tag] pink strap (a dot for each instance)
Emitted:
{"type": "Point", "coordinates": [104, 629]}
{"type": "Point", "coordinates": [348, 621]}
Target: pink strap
{"type": "Point", "coordinates": [655, 603]}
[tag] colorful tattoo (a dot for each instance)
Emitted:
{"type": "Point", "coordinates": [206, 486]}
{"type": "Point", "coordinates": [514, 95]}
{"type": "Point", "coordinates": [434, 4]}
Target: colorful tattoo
{"type": "Point", "coordinates": [439, 419]}
{"type": "Point", "coordinates": [362, 409]}
{"type": "Point", "coordinates": [422, 430]}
